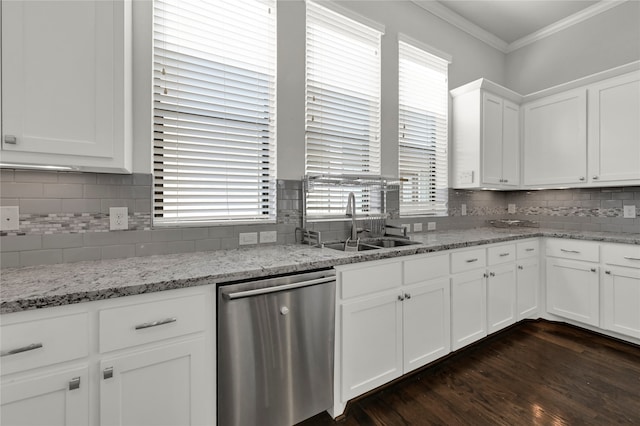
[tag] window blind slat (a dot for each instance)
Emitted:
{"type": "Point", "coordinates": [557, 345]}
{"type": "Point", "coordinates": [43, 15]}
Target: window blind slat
{"type": "Point", "coordinates": [214, 109]}
{"type": "Point", "coordinates": [423, 131]}
{"type": "Point", "coordinates": [342, 108]}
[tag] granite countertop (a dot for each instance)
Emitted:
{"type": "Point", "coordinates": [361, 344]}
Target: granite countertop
{"type": "Point", "coordinates": [54, 285]}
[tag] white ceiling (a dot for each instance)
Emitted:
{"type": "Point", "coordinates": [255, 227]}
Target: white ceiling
{"type": "Point", "coordinates": [511, 24]}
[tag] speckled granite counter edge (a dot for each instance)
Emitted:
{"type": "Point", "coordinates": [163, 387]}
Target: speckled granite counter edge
{"type": "Point", "coordinates": [29, 302]}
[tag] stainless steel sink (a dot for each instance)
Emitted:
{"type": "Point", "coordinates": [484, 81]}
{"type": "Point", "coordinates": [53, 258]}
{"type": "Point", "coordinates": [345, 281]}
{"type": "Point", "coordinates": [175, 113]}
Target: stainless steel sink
{"type": "Point", "coordinates": [373, 244]}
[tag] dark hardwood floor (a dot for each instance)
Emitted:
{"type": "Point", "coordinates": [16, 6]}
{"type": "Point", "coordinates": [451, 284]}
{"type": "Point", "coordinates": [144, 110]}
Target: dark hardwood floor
{"type": "Point", "coordinates": [535, 373]}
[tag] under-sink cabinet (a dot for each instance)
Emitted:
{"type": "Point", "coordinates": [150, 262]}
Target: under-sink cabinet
{"type": "Point", "coordinates": [127, 361]}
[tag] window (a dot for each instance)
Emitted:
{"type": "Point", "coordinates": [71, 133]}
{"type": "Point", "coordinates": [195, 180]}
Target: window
{"type": "Point", "coordinates": [342, 106]}
{"type": "Point", "coordinates": [423, 120]}
{"type": "Point", "coordinates": [214, 111]}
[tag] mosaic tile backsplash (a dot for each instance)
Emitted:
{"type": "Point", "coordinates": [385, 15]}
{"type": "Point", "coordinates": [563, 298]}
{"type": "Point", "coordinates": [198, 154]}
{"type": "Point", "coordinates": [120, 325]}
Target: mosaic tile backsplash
{"type": "Point", "coordinates": [64, 216]}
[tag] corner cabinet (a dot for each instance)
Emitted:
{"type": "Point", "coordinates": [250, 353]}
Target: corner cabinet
{"type": "Point", "coordinates": [486, 136]}
{"type": "Point", "coordinates": [66, 84]}
{"type": "Point", "coordinates": [555, 140]}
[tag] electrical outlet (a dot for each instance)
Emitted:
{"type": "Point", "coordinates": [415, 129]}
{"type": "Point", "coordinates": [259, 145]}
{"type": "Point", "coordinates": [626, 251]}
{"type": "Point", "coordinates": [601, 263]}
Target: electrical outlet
{"type": "Point", "coordinates": [248, 238]}
{"type": "Point", "coordinates": [407, 226]}
{"type": "Point", "coordinates": [511, 208]}
{"type": "Point", "coordinates": [463, 210]}
{"type": "Point", "coordinates": [268, 237]}
{"type": "Point", "coordinates": [629, 212]}
{"type": "Point", "coordinates": [9, 218]}
{"type": "Point", "coordinates": [431, 226]}
{"type": "Point", "coordinates": [417, 227]}
{"type": "Point", "coordinates": [118, 218]}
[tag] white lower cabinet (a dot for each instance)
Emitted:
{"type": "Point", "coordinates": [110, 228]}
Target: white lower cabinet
{"type": "Point", "coordinates": [468, 308]}
{"type": "Point", "coordinates": [59, 398]}
{"type": "Point", "coordinates": [622, 300]}
{"type": "Point", "coordinates": [501, 297]}
{"type": "Point", "coordinates": [528, 279]}
{"type": "Point", "coordinates": [149, 361]}
{"type": "Point", "coordinates": [158, 386]}
{"type": "Point", "coordinates": [573, 290]}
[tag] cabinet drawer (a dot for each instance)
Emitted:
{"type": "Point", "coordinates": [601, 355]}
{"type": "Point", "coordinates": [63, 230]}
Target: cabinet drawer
{"type": "Point", "coordinates": [621, 254]}
{"type": "Point", "coordinates": [571, 249]}
{"type": "Point", "coordinates": [423, 268]}
{"type": "Point", "coordinates": [41, 342]}
{"type": "Point", "coordinates": [527, 249]}
{"type": "Point", "coordinates": [468, 260]}
{"type": "Point", "coordinates": [370, 280]}
{"type": "Point", "coordinates": [501, 254]}
{"type": "Point", "coordinates": [132, 325]}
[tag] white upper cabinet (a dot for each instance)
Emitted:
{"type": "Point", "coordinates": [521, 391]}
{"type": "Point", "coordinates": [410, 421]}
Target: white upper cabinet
{"type": "Point", "coordinates": [614, 131]}
{"type": "Point", "coordinates": [486, 136]}
{"type": "Point", "coordinates": [66, 84]}
{"type": "Point", "coordinates": [555, 140]}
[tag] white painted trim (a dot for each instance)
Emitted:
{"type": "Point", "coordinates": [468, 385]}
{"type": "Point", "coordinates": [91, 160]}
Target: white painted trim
{"type": "Point", "coordinates": [334, 7]}
{"type": "Point", "coordinates": [446, 14]}
{"type": "Point", "coordinates": [456, 20]}
{"type": "Point", "coordinates": [429, 49]}
{"type": "Point", "coordinates": [565, 23]}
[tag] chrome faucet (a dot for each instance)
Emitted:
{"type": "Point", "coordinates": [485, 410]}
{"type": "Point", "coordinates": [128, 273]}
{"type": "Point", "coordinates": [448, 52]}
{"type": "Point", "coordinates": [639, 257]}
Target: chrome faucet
{"type": "Point", "coordinates": [351, 212]}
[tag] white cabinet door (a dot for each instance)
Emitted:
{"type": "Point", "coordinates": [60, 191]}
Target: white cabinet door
{"type": "Point", "coordinates": [501, 297]}
{"type": "Point", "coordinates": [468, 308]}
{"type": "Point", "coordinates": [426, 323]}
{"type": "Point", "coordinates": [622, 300]}
{"type": "Point", "coordinates": [510, 144]}
{"type": "Point", "coordinates": [573, 290]}
{"type": "Point", "coordinates": [161, 386]}
{"type": "Point", "coordinates": [528, 278]}
{"type": "Point", "coordinates": [53, 399]}
{"type": "Point", "coordinates": [66, 98]}
{"type": "Point", "coordinates": [555, 139]}
{"type": "Point", "coordinates": [371, 343]}
{"type": "Point", "coordinates": [614, 130]}
{"type": "Point", "coordinates": [491, 139]}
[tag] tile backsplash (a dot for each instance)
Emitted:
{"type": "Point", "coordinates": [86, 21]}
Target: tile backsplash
{"type": "Point", "coordinates": [64, 216]}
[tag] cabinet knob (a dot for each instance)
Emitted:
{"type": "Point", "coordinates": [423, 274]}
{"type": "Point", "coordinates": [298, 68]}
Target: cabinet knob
{"type": "Point", "coordinates": [407, 295]}
{"type": "Point", "coordinates": [501, 180]}
{"type": "Point", "coordinates": [485, 275]}
{"type": "Point", "coordinates": [74, 383]}
{"type": "Point", "coordinates": [582, 178]}
{"type": "Point", "coordinates": [607, 272]}
{"type": "Point", "coordinates": [520, 267]}
{"type": "Point", "coordinates": [492, 274]}
{"type": "Point", "coordinates": [10, 139]}
{"type": "Point", "coordinates": [595, 178]}
{"type": "Point", "coordinates": [506, 180]}
{"type": "Point", "coordinates": [400, 297]}
{"type": "Point", "coordinates": [593, 269]}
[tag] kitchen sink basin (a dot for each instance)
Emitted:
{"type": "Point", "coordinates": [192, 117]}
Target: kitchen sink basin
{"type": "Point", "coordinates": [373, 244]}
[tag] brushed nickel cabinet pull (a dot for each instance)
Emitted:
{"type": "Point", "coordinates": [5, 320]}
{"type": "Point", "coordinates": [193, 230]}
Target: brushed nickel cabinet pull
{"type": "Point", "coordinates": [503, 254]}
{"type": "Point", "coordinates": [632, 258]}
{"type": "Point", "coordinates": [485, 275]}
{"type": "Point", "coordinates": [492, 274]}
{"type": "Point", "coordinates": [520, 267]}
{"type": "Point", "coordinates": [607, 272]}
{"type": "Point", "coordinates": [22, 349]}
{"type": "Point", "coordinates": [74, 383]}
{"type": "Point", "coordinates": [407, 295]}
{"type": "Point", "coordinates": [593, 269]}
{"type": "Point", "coordinates": [570, 251]}
{"type": "Point", "coordinates": [107, 373]}
{"type": "Point", "coordinates": [472, 260]}
{"type": "Point", "coordinates": [156, 323]}
{"type": "Point", "coordinates": [529, 249]}
{"type": "Point", "coordinates": [400, 297]}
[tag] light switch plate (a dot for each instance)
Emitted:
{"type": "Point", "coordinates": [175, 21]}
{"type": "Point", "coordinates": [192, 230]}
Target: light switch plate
{"type": "Point", "coordinates": [630, 212]}
{"type": "Point", "coordinates": [463, 210]}
{"type": "Point", "coordinates": [9, 218]}
{"type": "Point", "coordinates": [268, 237]}
{"type": "Point", "coordinates": [465, 177]}
{"type": "Point", "coordinates": [417, 227]}
{"type": "Point", "coordinates": [511, 208]}
{"type": "Point", "coordinates": [118, 218]}
{"type": "Point", "coordinates": [248, 238]}
{"type": "Point", "coordinates": [431, 226]}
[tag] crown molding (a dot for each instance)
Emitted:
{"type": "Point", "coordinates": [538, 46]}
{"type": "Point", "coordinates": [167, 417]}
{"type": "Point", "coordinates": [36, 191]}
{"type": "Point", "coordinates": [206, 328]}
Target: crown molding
{"type": "Point", "coordinates": [446, 14]}
{"type": "Point", "coordinates": [565, 23]}
{"type": "Point", "coordinates": [465, 25]}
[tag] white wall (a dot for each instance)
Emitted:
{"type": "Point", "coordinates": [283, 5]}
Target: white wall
{"type": "Point", "coordinates": [472, 59]}
{"type": "Point", "coordinates": [605, 41]}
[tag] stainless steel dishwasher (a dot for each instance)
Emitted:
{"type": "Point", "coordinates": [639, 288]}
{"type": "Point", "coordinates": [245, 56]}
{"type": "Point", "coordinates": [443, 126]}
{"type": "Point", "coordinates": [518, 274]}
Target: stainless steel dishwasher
{"type": "Point", "coordinates": [275, 349]}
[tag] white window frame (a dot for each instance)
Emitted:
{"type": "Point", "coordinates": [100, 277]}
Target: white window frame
{"type": "Point", "coordinates": [423, 118]}
{"type": "Point", "coordinates": [214, 158]}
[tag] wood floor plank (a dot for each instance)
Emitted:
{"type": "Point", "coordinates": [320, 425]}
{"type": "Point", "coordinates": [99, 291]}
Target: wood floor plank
{"type": "Point", "coordinates": [535, 373]}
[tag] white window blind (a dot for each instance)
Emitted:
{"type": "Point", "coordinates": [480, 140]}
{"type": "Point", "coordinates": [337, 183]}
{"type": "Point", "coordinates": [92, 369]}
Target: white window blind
{"type": "Point", "coordinates": [342, 107]}
{"type": "Point", "coordinates": [214, 111]}
{"type": "Point", "coordinates": [423, 120]}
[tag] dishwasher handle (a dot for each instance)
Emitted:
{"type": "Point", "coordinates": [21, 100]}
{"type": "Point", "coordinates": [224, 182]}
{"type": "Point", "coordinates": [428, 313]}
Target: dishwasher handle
{"type": "Point", "coordinates": [267, 290]}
